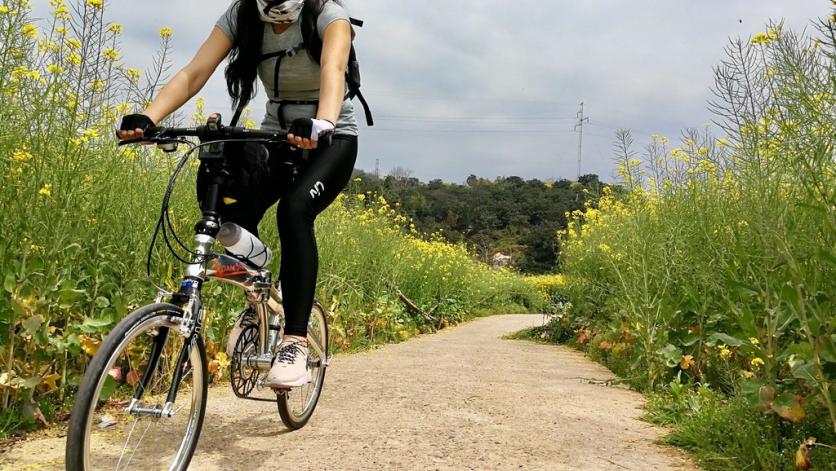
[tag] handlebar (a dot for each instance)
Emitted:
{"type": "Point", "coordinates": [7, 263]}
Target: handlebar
{"type": "Point", "coordinates": [206, 133]}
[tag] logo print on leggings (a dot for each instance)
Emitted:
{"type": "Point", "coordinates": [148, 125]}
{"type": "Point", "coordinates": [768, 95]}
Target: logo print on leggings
{"type": "Point", "coordinates": [317, 190]}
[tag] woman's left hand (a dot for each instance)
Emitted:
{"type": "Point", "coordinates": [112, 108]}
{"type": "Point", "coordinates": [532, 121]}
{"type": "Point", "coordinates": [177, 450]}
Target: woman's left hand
{"type": "Point", "coordinates": [304, 133]}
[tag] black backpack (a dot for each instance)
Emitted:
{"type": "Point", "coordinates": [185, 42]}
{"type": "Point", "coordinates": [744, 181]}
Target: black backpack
{"type": "Point", "coordinates": [352, 74]}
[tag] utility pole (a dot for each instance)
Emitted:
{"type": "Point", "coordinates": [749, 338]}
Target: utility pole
{"type": "Point", "coordinates": [579, 129]}
{"type": "Point", "coordinates": [377, 168]}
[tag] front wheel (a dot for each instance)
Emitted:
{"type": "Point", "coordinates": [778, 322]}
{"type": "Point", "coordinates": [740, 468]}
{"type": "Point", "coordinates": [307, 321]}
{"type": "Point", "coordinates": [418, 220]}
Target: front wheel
{"type": "Point", "coordinates": [123, 416]}
{"type": "Point", "coordinates": [297, 405]}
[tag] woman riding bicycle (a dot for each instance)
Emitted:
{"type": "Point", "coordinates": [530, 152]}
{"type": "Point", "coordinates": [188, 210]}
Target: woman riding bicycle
{"type": "Point", "coordinates": [300, 50]}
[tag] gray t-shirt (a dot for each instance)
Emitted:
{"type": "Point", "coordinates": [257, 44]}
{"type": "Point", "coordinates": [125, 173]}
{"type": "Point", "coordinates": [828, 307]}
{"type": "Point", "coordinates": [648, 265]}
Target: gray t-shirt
{"type": "Point", "coordinates": [299, 76]}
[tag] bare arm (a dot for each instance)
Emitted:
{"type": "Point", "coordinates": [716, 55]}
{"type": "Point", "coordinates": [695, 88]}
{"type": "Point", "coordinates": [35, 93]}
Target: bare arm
{"type": "Point", "coordinates": [336, 44]}
{"type": "Point", "coordinates": [188, 82]}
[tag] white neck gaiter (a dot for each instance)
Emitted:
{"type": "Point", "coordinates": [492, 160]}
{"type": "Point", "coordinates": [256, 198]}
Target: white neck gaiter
{"type": "Point", "coordinates": [280, 12]}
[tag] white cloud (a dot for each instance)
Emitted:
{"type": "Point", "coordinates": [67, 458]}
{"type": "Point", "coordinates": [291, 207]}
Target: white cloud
{"type": "Point", "coordinates": [644, 64]}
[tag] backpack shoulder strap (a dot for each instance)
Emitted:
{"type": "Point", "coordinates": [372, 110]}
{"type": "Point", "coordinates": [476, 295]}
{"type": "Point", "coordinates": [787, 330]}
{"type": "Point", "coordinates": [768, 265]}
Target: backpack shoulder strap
{"type": "Point", "coordinates": [352, 80]}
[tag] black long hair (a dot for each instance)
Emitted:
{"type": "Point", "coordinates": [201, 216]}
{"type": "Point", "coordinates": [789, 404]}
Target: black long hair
{"type": "Point", "coordinates": [242, 71]}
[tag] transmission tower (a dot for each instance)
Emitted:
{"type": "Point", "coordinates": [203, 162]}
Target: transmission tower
{"type": "Point", "coordinates": [582, 119]}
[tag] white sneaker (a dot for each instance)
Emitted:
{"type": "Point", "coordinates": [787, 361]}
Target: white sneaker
{"type": "Point", "coordinates": [290, 367]}
{"type": "Point", "coordinates": [246, 318]}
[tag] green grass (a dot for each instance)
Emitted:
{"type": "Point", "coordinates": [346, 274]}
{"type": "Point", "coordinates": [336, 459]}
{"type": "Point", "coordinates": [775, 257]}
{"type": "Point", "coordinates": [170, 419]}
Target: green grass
{"type": "Point", "coordinates": [724, 434]}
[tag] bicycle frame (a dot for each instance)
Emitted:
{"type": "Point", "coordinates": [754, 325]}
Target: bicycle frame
{"type": "Point", "coordinates": [257, 285]}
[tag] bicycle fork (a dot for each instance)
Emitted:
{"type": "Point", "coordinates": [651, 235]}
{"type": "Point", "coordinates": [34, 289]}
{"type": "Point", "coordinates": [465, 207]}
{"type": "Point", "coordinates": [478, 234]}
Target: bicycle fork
{"type": "Point", "coordinates": [189, 328]}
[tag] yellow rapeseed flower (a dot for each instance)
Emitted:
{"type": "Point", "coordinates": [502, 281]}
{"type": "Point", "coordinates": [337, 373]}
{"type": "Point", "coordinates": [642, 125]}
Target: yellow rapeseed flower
{"type": "Point", "coordinates": [21, 155]}
{"type": "Point", "coordinates": [61, 12]}
{"type": "Point", "coordinates": [74, 44]}
{"type": "Point", "coordinates": [97, 4]}
{"type": "Point", "coordinates": [134, 74]}
{"type": "Point", "coordinates": [680, 154]}
{"type": "Point", "coordinates": [3, 9]}
{"type": "Point", "coordinates": [46, 190]}
{"type": "Point", "coordinates": [724, 352]}
{"type": "Point", "coordinates": [111, 54]}
{"type": "Point", "coordinates": [361, 197]}
{"type": "Point", "coordinates": [30, 30]}
{"type": "Point", "coordinates": [166, 32]}
{"type": "Point", "coordinates": [757, 362]}
{"type": "Point", "coordinates": [761, 38]}
{"type": "Point", "coordinates": [54, 69]}
{"type": "Point", "coordinates": [659, 139]}
{"type": "Point", "coordinates": [754, 341]}
{"type": "Point", "coordinates": [74, 58]}
{"type": "Point", "coordinates": [115, 28]}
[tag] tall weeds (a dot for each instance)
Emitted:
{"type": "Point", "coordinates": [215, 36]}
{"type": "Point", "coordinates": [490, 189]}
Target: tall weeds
{"type": "Point", "coordinates": [716, 263]}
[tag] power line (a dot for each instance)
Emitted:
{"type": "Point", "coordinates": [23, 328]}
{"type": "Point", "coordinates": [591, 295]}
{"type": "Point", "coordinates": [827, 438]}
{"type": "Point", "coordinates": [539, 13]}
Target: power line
{"type": "Point", "coordinates": [488, 119]}
{"type": "Point", "coordinates": [468, 131]}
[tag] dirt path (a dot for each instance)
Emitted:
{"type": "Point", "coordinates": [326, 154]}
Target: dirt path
{"type": "Point", "coordinates": [462, 399]}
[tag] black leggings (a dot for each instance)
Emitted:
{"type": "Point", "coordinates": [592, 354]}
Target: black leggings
{"type": "Point", "coordinates": [260, 178]}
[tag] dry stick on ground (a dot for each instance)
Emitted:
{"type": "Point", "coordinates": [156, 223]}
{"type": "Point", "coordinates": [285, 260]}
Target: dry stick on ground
{"type": "Point", "coordinates": [414, 307]}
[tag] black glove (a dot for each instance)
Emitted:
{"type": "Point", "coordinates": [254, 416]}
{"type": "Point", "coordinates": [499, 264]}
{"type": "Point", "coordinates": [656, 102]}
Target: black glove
{"type": "Point", "coordinates": [313, 129]}
{"type": "Point", "coordinates": [132, 122]}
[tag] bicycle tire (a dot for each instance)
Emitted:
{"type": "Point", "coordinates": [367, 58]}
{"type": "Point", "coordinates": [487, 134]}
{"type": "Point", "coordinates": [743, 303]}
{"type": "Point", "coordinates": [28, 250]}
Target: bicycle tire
{"type": "Point", "coordinates": [112, 348]}
{"type": "Point", "coordinates": [292, 419]}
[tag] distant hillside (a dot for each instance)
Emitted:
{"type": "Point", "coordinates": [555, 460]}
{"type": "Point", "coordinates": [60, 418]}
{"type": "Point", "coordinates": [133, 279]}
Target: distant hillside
{"type": "Point", "coordinates": [508, 215]}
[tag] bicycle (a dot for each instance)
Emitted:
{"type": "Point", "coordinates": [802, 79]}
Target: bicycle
{"type": "Point", "coordinates": [151, 370]}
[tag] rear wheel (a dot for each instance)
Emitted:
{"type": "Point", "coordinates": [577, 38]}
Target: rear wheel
{"type": "Point", "coordinates": [121, 418]}
{"type": "Point", "coordinates": [297, 405]}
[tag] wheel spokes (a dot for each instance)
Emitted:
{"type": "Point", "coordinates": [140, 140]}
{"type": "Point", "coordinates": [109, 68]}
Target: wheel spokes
{"type": "Point", "coordinates": [143, 435]}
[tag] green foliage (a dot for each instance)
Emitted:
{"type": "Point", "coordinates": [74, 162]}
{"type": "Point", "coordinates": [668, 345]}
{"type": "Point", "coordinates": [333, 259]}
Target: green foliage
{"type": "Point", "coordinates": [515, 217]}
{"type": "Point", "coordinates": [725, 434]}
{"type": "Point", "coordinates": [720, 265]}
{"type": "Point", "coordinates": [373, 266]}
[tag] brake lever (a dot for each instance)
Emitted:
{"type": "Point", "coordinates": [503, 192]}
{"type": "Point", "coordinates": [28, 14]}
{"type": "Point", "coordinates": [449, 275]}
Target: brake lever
{"type": "Point", "coordinates": [135, 141]}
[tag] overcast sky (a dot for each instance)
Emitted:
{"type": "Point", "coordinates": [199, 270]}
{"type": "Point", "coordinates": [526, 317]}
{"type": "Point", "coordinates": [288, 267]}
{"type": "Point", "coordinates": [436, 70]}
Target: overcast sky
{"type": "Point", "coordinates": [492, 87]}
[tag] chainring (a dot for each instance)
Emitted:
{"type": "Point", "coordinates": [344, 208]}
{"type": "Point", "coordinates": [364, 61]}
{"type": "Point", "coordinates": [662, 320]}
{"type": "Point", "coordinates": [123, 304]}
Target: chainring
{"type": "Point", "coordinates": [243, 377]}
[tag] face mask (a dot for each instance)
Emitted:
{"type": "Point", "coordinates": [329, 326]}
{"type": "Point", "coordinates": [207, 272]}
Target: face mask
{"type": "Point", "coordinates": [281, 11]}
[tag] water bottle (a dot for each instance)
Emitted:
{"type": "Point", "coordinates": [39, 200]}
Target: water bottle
{"type": "Point", "coordinates": [242, 243]}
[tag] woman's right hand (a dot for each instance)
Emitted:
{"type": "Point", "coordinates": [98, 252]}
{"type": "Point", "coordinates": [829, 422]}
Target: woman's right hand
{"type": "Point", "coordinates": [134, 126]}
